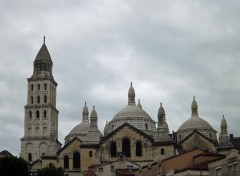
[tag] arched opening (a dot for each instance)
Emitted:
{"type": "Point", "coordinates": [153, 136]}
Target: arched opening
{"type": "Point", "coordinates": [45, 114]}
{"type": "Point", "coordinates": [45, 86]}
{"type": "Point", "coordinates": [126, 147]}
{"type": "Point", "coordinates": [90, 154]}
{"type": "Point", "coordinates": [146, 126]}
{"type": "Point", "coordinates": [38, 86]}
{"type": "Point", "coordinates": [30, 114]}
{"type": "Point", "coordinates": [210, 135]}
{"type": "Point", "coordinates": [76, 160]}
{"type": "Point", "coordinates": [45, 98]}
{"type": "Point", "coordinates": [37, 114]}
{"type": "Point", "coordinates": [162, 151]}
{"type": "Point", "coordinates": [31, 87]}
{"type": "Point", "coordinates": [66, 162]}
{"type": "Point", "coordinates": [113, 149]}
{"type": "Point", "coordinates": [38, 99]}
{"type": "Point", "coordinates": [138, 148]}
{"type": "Point", "coordinates": [29, 157]}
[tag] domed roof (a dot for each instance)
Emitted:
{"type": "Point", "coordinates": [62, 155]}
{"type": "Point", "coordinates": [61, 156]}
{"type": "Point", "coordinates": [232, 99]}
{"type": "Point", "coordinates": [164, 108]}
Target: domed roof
{"type": "Point", "coordinates": [131, 111]}
{"type": "Point", "coordinates": [81, 128]}
{"type": "Point", "coordinates": [195, 122]}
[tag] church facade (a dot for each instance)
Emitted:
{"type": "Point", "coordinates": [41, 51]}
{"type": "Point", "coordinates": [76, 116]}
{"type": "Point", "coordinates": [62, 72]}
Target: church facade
{"type": "Point", "coordinates": [132, 135]}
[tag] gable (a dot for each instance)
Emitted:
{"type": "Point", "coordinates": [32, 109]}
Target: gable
{"type": "Point", "coordinates": [196, 139]}
{"type": "Point", "coordinates": [71, 146]}
{"type": "Point", "coordinates": [126, 130]}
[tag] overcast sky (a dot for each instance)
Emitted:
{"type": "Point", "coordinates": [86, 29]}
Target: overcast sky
{"type": "Point", "coordinates": [170, 50]}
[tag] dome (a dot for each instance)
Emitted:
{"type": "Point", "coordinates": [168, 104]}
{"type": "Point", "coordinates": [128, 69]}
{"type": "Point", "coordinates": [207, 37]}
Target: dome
{"type": "Point", "coordinates": [133, 115]}
{"type": "Point", "coordinates": [132, 111]}
{"type": "Point", "coordinates": [195, 122]}
{"type": "Point", "coordinates": [81, 128]}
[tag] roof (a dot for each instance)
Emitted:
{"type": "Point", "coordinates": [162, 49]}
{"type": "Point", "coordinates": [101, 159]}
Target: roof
{"type": "Point", "coordinates": [43, 54]}
{"type": "Point", "coordinates": [5, 153]}
{"type": "Point", "coordinates": [196, 131]}
{"type": "Point", "coordinates": [130, 126]}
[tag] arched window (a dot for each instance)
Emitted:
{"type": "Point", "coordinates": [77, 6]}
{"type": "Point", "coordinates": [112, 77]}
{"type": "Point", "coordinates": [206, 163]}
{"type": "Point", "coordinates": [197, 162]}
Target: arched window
{"type": "Point", "coordinates": [30, 114]}
{"type": "Point", "coordinates": [38, 86]}
{"type": "Point", "coordinates": [76, 160]}
{"type": "Point", "coordinates": [162, 151]}
{"type": "Point", "coordinates": [45, 98]}
{"type": "Point", "coordinates": [138, 148]}
{"type": "Point", "coordinates": [38, 99]}
{"type": "Point", "coordinates": [45, 114]}
{"type": "Point", "coordinates": [29, 157]}
{"type": "Point", "coordinates": [126, 147]}
{"type": "Point", "coordinates": [66, 162]}
{"type": "Point", "coordinates": [113, 149]}
{"type": "Point", "coordinates": [210, 136]}
{"type": "Point", "coordinates": [37, 114]}
{"type": "Point", "coordinates": [45, 86]}
{"type": "Point", "coordinates": [31, 99]}
{"type": "Point", "coordinates": [146, 126]}
{"type": "Point", "coordinates": [180, 137]}
{"type": "Point", "coordinates": [90, 154]}
{"type": "Point", "coordinates": [31, 87]}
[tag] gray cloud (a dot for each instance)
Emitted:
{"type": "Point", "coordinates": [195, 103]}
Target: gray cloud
{"type": "Point", "coordinates": [171, 51]}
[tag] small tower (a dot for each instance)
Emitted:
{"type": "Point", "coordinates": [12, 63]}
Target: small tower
{"type": "Point", "coordinates": [41, 115]}
{"type": "Point", "coordinates": [94, 135]}
{"type": "Point", "coordinates": [131, 96]}
{"type": "Point", "coordinates": [139, 104]}
{"type": "Point", "coordinates": [162, 129]}
{"type": "Point", "coordinates": [224, 142]}
{"type": "Point", "coordinates": [194, 107]}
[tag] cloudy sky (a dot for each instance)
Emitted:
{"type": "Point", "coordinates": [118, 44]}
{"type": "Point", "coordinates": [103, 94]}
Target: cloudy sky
{"type": "Point", "coordinates": [170, 50]}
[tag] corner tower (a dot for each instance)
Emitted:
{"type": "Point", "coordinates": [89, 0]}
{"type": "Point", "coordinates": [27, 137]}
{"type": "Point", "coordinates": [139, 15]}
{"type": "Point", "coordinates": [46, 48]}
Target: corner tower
{"type": "Point", "coordinates": [41, 115]}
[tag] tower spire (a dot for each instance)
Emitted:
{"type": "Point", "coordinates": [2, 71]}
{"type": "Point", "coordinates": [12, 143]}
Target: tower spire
{"type": "Point", "coordinates": [44, 39]}
{"type": "Point", "coordinates": [131, 95]}
{"type": "Point", "coordinates": [194, 107]}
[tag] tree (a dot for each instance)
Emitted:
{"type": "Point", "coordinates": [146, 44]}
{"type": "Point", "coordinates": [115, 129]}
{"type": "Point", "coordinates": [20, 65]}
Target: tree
{"type": "Point", "coordinates": [13, 166]}
{"type": "Point", "coordinates": [51, 171]}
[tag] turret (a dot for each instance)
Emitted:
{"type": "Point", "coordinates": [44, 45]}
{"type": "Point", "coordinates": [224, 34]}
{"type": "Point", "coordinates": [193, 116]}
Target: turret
{"type": "Point", "coordinates": [131, 95]}
{"type": "Point", "coordinates": [194, 107]}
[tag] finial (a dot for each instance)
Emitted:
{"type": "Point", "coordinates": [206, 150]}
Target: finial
{"type": "Point", "coordinates": [138, 100]}
{"type": "Point", "coordinates": [223, 116]}
{"type": "Point", "coordinates": [161, 104]}
{"type": "Point", "coordinates": [193, 97]}
{"type": "Point", "coordinates": [85, 103]}
{"type": "Point", "coordinates": [44, 39]}
{"type": "Point", "coordinates": [131, 83]}
{"type": "Point", "coordinates": [93, 107]}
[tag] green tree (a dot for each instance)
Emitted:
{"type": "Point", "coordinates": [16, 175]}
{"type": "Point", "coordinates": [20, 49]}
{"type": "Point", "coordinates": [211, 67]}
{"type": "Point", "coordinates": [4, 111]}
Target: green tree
{"type": "Point", "coordinates": [13, 166]}
{"type": "Point", "coordinates": [51, 171]}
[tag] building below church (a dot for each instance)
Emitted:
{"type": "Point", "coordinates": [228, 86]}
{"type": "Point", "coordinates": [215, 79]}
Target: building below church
{"type": "Point", "coordinates": [131, 140]}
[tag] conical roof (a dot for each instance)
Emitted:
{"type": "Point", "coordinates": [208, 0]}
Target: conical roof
{"type": "Point", "coordinates": [43, 53]}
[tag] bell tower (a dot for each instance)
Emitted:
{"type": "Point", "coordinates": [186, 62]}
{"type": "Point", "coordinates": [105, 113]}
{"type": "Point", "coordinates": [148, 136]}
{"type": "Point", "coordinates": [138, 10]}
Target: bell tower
{"type": "Point", "coordinates": [41, 115]}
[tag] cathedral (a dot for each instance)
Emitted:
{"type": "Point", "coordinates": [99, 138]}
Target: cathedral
{"type": "Point", "coordinates": [131, 136]}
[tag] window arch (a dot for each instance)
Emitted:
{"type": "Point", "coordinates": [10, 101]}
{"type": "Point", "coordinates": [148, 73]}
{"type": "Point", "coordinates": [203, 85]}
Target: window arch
{"type": "Point", "coordinates": [37, 114]}
{"type": "Point", "coordinates": [38, 99]}
{"type": "Point", "coordinates": [30, 114]}
{"type": "Point", "coordinates": [45, 114]}
{"type": "Point", "coordinates": [90, 154]}
{"type": "Point", "coordinates": [66, 162]}
{"type": "Point", "coordinates": [113, 149]}
{"type": "Point", "coordinates": [162, 151]}
{"type": "Point", "coordinates": [138, 148]}
{"type": "Point", "coordinates": [76, 160]}
{"type": "Point", "coordinates": [146, 126]}
{"type": "Point", "coordinates": [126, 149]}
{"type": "Point", "coordinates": [45, 98]}
{"type": "Point", "coordinates": [29, 157]}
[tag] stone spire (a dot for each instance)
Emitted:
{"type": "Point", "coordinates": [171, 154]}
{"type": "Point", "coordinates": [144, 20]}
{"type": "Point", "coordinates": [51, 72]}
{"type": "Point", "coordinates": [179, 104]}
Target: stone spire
{"type": "Point", "coordinates": [139, 104]}
{"type": "Point", "coordinates": [131, 96]}
{"type": "Point", "coordinates": [43, 61]}
{"type": "Point", "coordinates": [162, 130]}
{"type": "Point", "coordinates": [85, 112]}
{"type": "Point", "coordinates": [194, 107]}
{"type": "Point", "coordinates": [94, 135]}
{"type": "Point", "coordinates": [224, 142]}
